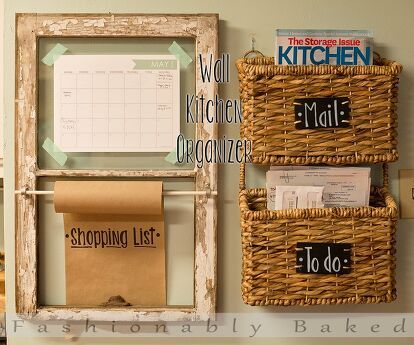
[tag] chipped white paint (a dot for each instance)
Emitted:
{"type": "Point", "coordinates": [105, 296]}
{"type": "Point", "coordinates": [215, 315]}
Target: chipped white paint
{"type": "Point", "coordinates": [203, 28]}
{"type": "Point", "coordinates": [124, 314]}
{"type": "Point", "coordinates": [21, 67]}
{"type": "Point", "coordinates": [190, 27]}
{"type": "Point", "coordinates": [158, 20]}
{"type": "Point", "coordinates": [116, 173]}
{"type": "Point", "coordinates": [99, 23]}
{"type": "Point", "coordinates": [57, 27]}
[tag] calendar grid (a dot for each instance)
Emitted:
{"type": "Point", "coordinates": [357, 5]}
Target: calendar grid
{"type": "Point", "coordinates": [99, 108]}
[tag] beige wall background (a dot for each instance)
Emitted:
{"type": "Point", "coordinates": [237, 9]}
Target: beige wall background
{"type": "Point", "coordinates": [392, 25]}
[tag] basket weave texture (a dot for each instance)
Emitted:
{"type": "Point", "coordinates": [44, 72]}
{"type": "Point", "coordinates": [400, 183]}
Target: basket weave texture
{"type": "Point", "coordinates": [268, 92]}
{"type": "Point", "coordinates": [269, 241]}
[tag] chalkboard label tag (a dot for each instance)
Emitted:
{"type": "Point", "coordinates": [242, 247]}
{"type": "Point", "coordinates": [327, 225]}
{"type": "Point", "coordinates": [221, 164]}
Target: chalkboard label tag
{"type": "Point", "coordinates": [319, 113]}
{"type": "Point", "coordinates": [323, 258]}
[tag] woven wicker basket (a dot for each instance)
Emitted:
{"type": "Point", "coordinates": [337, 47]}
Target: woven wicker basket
{"type": "Point", "coordinates": [269, 241]}
{"type": "Point", "coordinates": [268, 92]}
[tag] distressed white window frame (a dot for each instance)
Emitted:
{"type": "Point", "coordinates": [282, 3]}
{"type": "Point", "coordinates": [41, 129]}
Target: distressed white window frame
{"type": "Point", "coordinates": [29, 28]}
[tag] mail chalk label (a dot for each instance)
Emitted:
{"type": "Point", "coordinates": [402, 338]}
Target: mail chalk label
{"type": "Point", "coordinates": [319, 113]}
{"type": "Point", "coordinates": [323, 258]}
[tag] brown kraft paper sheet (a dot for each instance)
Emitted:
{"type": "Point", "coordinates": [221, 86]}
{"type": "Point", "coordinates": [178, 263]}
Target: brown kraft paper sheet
{"type": "Point", "coordinates": [114, 241]}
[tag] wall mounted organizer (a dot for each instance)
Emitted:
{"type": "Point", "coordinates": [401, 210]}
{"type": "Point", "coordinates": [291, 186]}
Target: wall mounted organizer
{"type": "Point", "coordinates": [269, 92]}
{"type": "Point", "coordinates": [272, 99]}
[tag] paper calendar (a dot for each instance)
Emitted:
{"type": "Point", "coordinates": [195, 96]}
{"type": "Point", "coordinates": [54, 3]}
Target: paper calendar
{"type": "Point", "coordinates": [116, 103]}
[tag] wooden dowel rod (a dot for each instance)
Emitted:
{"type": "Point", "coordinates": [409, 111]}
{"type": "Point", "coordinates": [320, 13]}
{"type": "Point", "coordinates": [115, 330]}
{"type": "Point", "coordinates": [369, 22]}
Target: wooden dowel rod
{"type": "Point", "coordinates": [165, 193]}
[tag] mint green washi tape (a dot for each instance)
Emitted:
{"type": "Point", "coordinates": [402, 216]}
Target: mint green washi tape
{"type": "Point", "coordinates": [55, 152]}
{"type": "Point", "coordinates": [54, 54]}
{"type": "Point", "coordinates": [180, 54]}
{"type": "Point", "coordinates": [172, 156]}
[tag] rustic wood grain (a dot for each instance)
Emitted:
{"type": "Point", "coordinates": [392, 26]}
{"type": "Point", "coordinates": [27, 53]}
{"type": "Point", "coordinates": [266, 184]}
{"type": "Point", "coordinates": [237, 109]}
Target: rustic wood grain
{"type": "Point", "coordinates": [118, 314]}
{"type": "Point", "coordinates": [29, 27]}
{"type": "Point", "coordinates": [206, 208]}
{"type": "Point", "coordinates": [25, 168]}
{"type": "Point", "coordinates": [116, 173]}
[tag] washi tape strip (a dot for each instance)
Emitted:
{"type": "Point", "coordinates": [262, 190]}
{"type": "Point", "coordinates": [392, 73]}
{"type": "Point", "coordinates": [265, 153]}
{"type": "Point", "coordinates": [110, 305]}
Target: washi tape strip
{"type": "Point", "coordinates": [54, 54]}
{"type": "Point", "coordinates": [172, 156]}
{"type": "Point", "coordinates": [55, 152]}
{"type": "Point", "coordinates": [180, 54]}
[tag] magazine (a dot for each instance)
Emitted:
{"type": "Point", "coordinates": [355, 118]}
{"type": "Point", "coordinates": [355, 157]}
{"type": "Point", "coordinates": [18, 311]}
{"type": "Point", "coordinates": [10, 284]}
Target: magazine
{"type": "Point", "coordinates": [316, 47]}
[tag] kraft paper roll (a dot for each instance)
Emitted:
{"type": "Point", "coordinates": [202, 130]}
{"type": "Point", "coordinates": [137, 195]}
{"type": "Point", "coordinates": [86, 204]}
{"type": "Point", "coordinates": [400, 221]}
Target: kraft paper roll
{"type": "Point", "coordinates": [114, 242]}
{"type": "Point", "coordinates": [108, 197]}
